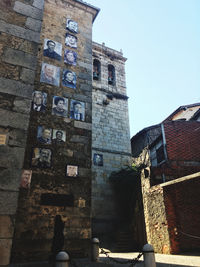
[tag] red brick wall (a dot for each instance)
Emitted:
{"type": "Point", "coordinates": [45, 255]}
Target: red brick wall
{"type": "Point", "coordinates": [182, 204]}
{"type": "Point", "coordinates": [183, 150]}
{"type": "Point", "coordinates": [182, 139]}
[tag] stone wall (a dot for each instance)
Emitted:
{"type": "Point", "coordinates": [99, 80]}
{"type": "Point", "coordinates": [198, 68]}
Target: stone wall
{"type": "Point", "coordinates": [55, 206]}
{"type": "Point", "coordinates": [110, 137]}
{"type": "Point", "coordinates": [19, 40]}
{"type": "Point", "coordinates": [155, 216]}
{"type": "Point", "coordinates": [170, 211]}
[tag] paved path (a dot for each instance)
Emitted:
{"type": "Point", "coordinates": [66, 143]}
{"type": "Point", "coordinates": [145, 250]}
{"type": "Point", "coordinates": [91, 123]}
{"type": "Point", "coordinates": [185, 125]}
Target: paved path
{"type": "Point", "coordinates": [161, 259]}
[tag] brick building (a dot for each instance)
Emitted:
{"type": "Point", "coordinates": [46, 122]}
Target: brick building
{"type": "Point", "coordinates": [170, 184]}
{"type": "Point", "coordinates": [173, 146]}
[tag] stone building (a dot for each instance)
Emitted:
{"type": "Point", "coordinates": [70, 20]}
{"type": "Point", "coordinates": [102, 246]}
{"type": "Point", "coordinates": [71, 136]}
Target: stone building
{"type": "Point", "coordinates": [57, 125]}
{"type": "Point", "coordinates": [52, 144]}
{"type": "Point", "coordinates": [110, 135]}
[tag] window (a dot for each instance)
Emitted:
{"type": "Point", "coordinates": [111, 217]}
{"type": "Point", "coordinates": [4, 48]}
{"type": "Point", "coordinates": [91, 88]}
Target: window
{"type": "Point", "coordinates": [111, 74]}
{"type": "Point", "coordinates": [157, 154]}
{"type": "Point", "coordinates": [96, 69]}
{"type": "Point", "coordinates": [160, 154]}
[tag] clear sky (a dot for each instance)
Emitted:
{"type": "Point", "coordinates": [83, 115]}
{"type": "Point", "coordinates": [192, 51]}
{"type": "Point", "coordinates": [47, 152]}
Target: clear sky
{"type": "Point", "coordinates": [161, 39]}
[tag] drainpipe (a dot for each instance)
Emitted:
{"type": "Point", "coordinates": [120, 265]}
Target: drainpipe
{"type": "Point", "coordinates": [164, 141]}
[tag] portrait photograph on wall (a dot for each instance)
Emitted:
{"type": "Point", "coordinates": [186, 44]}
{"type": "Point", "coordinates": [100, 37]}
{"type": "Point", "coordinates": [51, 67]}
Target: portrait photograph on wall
{"type": "Point", "coordinates": [59, 137]}
{"type": "Point", "coordinates": [98, 159]}
{"type": "Point", "coordinates": [41, 157]}
{"type": "Point", "coordinates": [69, 79]}
{"type": "Point", "coordinates": [44, 135]}
{"type": "Point", "coordinates": [26, 179]}
{"type": "Point", "coordinates": [71, 40]}
{"type": "Point", "coordinates": [50, 74]}
{"type": "Point", "coordinates": [72, 171]}
{"type": "Point", "coordinates": [52, 49]}
{"type": "Point", "coordinates": [72, 26]}
{"type": "Point", "coordinates": [60, 106]}
{"type": "Point", "coordinates": [39, 101]}
{"type": "Point", "coordinates": [70, 57]}
{"type": "Point", "coordinates": [77, 110]}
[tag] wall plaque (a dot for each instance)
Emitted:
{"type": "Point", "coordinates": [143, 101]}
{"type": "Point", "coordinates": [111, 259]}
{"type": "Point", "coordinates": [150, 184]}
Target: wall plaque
{"type": "Point", "coordinates": [58, 200]}
{"type": "Point", "coordinates": [3, 139]}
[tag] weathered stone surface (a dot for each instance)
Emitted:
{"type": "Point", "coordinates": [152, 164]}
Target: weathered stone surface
{"type": "Point", "coordinates": [30, 227]}
{"type": "Point", "coordinates": [110, 136]}
{"type": "Point", "coordinates": [84, 76]}
{"type": "Point", "coordinates": [33, 24]}
{"type": "Point", "coordinates": [5, 249]}
{"type": "Point", "coordinates": [6, 227]}
{"type": "Point", "coordinates": [20, 58]}
{"type": "Point", "coordinates": [22, 105]}
{"type": "Point", "coordinates": [17, 137]}
{"type": "Point", "coordinates": [79, 139]}
{"type": "Point", "coordinates": [10, 179]}
{"type": "Point", "coordinates": [85, 87]}
{"type": "Point", "coordinates": [85, 65]}
{"type": "Point", "coordinates": [14, 120]}
{"type": "Point", "coordinates": [9, 71]}
{"type": "Point", "coordinates": [27, 76]}
{"type": "Point", "coordinates": [15, 88]}
{"type": "Point", "coordinates": [28, 10]}
{"type": "Point", "coordinates": [12, 17]}
{"type": "Point", "coordinates": [17, 43]}
{"type": "Point", "coordinates": [39, 4]}
{"type": "Point", "coordinates": [15, 157]}
{"type": "Point", "coordinates": [83, 125]}
{"type": "Point", "coordinates": [19, 32]}
{"type": "Point", "coordinates": [8, 203]}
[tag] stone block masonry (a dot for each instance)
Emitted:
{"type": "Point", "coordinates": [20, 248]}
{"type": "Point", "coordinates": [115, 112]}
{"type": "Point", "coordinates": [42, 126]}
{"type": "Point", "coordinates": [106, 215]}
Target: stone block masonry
{"type": "Point", "coordinates": [18, 56]}
{"type": "Point", "coordinates": [168, 209]}
{"type": "Point", "coordinates": [110, 138]}
{"type": "Point", "coordinates": [57, 205]}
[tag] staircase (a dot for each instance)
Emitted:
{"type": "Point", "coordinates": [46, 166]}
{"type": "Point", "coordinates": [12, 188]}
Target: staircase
{"type": "Point", "coordinates": [125, 242]}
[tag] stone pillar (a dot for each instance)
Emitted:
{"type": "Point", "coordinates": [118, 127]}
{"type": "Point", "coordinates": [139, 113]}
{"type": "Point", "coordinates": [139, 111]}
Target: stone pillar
{"type": "Point", "coordinates": [20, 25]}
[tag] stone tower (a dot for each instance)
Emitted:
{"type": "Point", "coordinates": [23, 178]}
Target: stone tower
{"type": "Point", "coordinates": [110, 135]}
{"type": "Point", "coordinates": [45, 128]}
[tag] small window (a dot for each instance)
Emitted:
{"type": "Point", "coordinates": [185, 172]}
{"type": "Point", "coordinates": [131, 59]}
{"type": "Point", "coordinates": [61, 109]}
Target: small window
{"type": "Point", "coordinates": [111, 74]}
{"type": "Point", "coordinates": [160, 154]}
{"type": "Point", "coordinates": [96, 69]}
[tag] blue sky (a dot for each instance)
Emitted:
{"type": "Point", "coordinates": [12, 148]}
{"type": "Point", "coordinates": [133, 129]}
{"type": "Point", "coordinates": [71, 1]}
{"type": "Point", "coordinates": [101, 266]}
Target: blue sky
{"type": "Point", "coordinates": [161, 39]}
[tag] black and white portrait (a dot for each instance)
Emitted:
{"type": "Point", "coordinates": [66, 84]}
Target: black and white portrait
{"type": "Point", "coordinates": [71, 40]}
{"type": "Point", "coordinates": [50, 74]}
{"type": "Point", "coordinates": [72, 171]}
{"type": "Point", "coordinates": [72, 26]}
{"type": "Point", "coordinates": [70, 57]}
{"type": "Point", "coordinates": [26, 179]}
{"type": "Point", "coordinates": [39, 101]}
{"type": "Point", "coordinates": [59, 137]}
{"type": "Point", "coordinates": [44, 135]}
{"type": "Point", "coordinates": [77, 110]}
{"type": "Point", "coordinates": [98, 159]}
{"type": "Point", "coordinates": [69, 78]}
{"type": "Point", "coordinates": [41, 158]}
{"type": "Point", "coordinates": [60, 106]}
{"type": "Point", "coordinates": [52, 49]}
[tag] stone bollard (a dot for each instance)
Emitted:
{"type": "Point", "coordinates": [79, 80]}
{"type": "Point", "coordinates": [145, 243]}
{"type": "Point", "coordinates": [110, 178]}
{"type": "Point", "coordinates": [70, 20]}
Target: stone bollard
{"type": "Point", "coordinates": [62, 259]}
{"type": "Point", "coordinates": [149, 256]}
{"type": "Point", "coordinates": [95, 249]}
